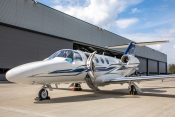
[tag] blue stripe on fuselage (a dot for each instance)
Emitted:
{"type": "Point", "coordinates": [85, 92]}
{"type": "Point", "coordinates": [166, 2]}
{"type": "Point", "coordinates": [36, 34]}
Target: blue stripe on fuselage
{"type": "Point", "coordinates": [97, 69]}
{"type": "Point", "coordinates": [68, 71]}
{"type": "Point", "coordinates": [103, 69]}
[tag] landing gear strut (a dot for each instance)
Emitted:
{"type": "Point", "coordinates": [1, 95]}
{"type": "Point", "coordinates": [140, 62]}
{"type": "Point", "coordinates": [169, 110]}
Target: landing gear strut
{"type": "Point", "coordinates": [42, 94]}
{"type": "Point", "coordinates": [77, 87]}
{"type": "Point", "coordinates": [133, 90]}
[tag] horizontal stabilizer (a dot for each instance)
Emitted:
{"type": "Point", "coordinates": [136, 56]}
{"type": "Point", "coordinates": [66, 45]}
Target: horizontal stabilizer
{"type": "Point", "coordinates": [139, 44]}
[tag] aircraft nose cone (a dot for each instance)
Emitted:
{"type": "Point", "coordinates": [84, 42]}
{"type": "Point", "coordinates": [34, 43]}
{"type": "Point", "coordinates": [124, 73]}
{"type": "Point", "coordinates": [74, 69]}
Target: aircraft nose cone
{"type": "Point", "coordinates": [18, 75]}
{"type": "Point", "coordinates": [8, 75]}
{"type": "Point", "coordinates": [24, 73]}
{"type": "Point", "coordinates": [12, 75]}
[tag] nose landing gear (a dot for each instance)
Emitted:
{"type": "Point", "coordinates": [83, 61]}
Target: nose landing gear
{"type": "Point", "coordinates": [42, 94]}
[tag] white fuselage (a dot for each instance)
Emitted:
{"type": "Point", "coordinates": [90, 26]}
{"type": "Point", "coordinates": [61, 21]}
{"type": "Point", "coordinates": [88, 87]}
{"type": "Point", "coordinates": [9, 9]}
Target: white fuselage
{"type": "Point", "coordinates": [61, 70]}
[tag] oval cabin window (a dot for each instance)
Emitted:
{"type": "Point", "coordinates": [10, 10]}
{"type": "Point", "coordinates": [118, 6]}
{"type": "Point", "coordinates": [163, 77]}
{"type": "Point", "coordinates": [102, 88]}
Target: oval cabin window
{"type": "Point", "coordinates": [102, 60]}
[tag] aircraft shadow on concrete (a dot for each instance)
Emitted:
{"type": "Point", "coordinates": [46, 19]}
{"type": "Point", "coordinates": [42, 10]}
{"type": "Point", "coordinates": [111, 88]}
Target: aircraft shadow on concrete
{"type": "Point", "coordinates": [103, 94]}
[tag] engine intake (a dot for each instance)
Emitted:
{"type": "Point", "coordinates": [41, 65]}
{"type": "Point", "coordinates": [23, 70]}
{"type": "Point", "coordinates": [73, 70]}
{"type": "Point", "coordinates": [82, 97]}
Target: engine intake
{"type": "Point", "coordinates": [129, 59]}
{"type": "Point", "coordinates": [125, 59]}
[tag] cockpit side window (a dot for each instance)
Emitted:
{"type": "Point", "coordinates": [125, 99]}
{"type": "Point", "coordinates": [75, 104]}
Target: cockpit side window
{"type": "Point", "coordinates": [63, 53]}
{"type": "Point", "coordinates": [77, 56]}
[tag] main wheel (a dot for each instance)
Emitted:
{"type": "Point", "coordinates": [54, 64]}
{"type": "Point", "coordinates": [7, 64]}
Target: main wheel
{"type": "Point", "coordinates": [135, 93]}
{"type": "Point", "coordinates": [133, 90]}
{"type": "Point", "coordinates": [43, 94]}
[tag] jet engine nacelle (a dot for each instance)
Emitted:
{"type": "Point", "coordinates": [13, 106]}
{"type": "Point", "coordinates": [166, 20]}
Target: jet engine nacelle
{"type": "Point", "coordinates": [130, 60]}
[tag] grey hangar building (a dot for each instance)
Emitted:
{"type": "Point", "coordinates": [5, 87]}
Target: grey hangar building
{"type": "Point", "coordinates": [31, 31]}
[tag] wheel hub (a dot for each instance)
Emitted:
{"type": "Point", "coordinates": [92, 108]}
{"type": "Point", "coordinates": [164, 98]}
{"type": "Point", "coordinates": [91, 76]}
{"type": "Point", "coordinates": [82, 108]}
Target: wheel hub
{"type": "Point", "coordinates": [44, 94]}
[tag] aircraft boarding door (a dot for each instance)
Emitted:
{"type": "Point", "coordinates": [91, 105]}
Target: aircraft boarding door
{"type": "Point", "coordinates": [90, 65]}
{"type": "Point", "coordinates": [90, 77]}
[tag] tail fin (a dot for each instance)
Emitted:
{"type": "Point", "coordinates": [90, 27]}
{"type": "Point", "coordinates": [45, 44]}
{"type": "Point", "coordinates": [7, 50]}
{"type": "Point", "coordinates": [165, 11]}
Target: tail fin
{"type": "Point", "coordinates": [131, 47]}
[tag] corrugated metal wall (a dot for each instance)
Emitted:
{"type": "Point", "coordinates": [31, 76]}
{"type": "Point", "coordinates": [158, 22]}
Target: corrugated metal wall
{"type": "Point", "coordinates": [18, 47]}
{"type": "Point", "coordinates": [143, 65]}
{"type": "Point", "coordinates": [162, 67]}
{"type": "Point", "coordinates": [152, 66]}
{"type": "Point", "coordinates": [37, 17]}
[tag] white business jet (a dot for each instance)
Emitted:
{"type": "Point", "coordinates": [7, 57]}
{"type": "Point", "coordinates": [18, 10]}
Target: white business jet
{"type": "Point", "coordinates": [76, 67]}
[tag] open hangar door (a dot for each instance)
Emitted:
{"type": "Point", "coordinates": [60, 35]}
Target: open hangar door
{"type": "Point", "coordinates": [91, 48]}
{"type": "Point", "coordinates": [146, 67]}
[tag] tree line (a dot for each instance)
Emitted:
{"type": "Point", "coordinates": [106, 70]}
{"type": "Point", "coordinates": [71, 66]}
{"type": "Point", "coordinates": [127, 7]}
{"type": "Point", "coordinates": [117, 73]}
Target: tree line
{"type": "Point", "coordinates": [171, 68]}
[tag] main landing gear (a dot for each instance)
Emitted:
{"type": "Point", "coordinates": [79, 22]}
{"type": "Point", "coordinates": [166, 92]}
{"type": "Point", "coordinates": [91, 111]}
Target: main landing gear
{"type": "Point", "coordinates": [133, 90]}
{"type": "Point", "coordinates": [43, 93]}
{"type": "Point", "coordinates": [76, 87]}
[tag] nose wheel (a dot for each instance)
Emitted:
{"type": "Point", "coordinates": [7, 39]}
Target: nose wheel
{"type": "Point", "coordinates": [42, 95]}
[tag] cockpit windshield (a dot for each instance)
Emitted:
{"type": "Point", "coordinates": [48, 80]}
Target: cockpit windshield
{"type": "Point", "coordinates": [62, 53]}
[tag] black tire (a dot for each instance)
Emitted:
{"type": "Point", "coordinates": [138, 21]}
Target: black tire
{"type": "Point", "coordinates": [76, 85]}
{"type": "Point", "coordinates": [48, 98]}
{"type": "Point", "coordinates": [132, 88]}
{"type": "Point", "coordinates": [135, 93]}
{"type": "Point", "coordinates": [43, 94]}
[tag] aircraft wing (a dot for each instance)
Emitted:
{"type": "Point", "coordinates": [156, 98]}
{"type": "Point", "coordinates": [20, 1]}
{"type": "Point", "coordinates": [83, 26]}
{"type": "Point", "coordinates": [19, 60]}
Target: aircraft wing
{"type": "Point", "coordinates": [139, 78]}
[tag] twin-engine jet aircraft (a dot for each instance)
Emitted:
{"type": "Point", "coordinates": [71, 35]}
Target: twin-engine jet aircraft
{"type": "Point", "coordinates": [76, 67]}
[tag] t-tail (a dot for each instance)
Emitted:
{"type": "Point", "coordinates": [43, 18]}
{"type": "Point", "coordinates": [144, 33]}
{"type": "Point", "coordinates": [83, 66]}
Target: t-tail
{"type": "Point", "coordinates": [131, 47]}
{"type": "Point", "coordinates": [129, 60]}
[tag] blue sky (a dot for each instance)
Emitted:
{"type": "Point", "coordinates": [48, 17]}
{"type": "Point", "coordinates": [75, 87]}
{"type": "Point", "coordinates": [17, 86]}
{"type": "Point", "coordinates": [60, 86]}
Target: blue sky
{"type": "Point", "coordinates": [138, 20]}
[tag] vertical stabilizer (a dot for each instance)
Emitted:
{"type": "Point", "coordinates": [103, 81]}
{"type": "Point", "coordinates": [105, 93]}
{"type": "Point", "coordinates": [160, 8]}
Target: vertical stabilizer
{"type": "Point", "coordinates": [131, 49]}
